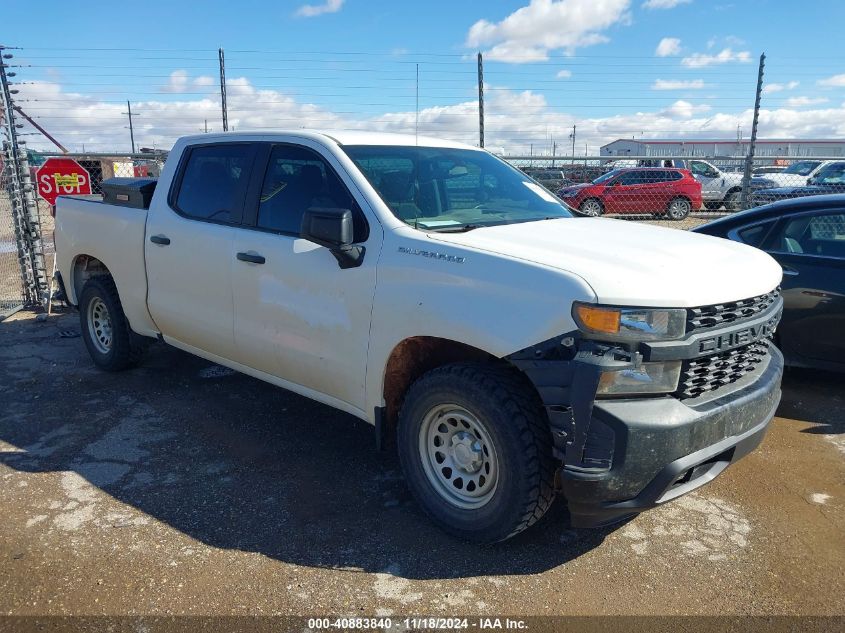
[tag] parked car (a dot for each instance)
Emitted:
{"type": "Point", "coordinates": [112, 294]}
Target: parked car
{"type": "Point", "coordinates": [807, 237]}
{"type": "Point", "coordinates": [768, 169]}
{"type": "Point", "coordinates": [663, 192]}
{"type": "Point", "coordinates": [718, 187]}
{"type": "Point", "coordinates": [436, 292]}
{"type": "Point", "coordinates": [829, 179]}
{"type": "Point", "coordinates": [796, 175]}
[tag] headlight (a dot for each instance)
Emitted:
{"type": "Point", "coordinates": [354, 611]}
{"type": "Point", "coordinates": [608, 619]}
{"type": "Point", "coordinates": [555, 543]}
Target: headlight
{"type": "Point", "coordinates": [631, 324]}
{"type": "Point", "coordinates": [646, 379]}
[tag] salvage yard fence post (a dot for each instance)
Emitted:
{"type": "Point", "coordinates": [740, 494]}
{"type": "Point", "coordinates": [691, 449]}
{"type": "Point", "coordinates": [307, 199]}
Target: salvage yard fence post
{"type": "Point", "coordinates": [26, 283]}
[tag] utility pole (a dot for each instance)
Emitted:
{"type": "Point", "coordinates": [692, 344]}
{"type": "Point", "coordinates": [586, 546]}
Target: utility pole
{"type": "Point", "coordinates": [572, 136]}
{"type": "Point", "coordinates": [131, 128]}
{"type": "Point", "coordinates": [206, 126]}
{"type": "Point", "coordinates": [749, 159]}
{"type": "Point", "coordinates": [554, 152]}
{"type": "Point", "coordinates": [223, 90]}
{"type": "Point", "coordinates": [417, 110]}
{"type": "Point", "coordinates": [480, 100]}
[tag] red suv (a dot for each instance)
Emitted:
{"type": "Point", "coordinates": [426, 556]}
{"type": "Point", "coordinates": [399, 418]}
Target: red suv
{"type": "Point", "coordinates": [658, 191]}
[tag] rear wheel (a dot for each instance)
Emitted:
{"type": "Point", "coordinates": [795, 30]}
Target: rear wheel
{"type": "Point", "coordinates": [110, 342]}
{"type": "Point", "coordinates": [476, 450]}
{"type": "Point", "coordinates": [678, 209]}
{"type": "Point", "coordinates": [592, 207]}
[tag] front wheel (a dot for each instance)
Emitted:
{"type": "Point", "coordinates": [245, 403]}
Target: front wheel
{"type": "Point", "coordinates": [733, 200]}
{"type": "Point", "coordinates": [110, 342]}
{"type": "Point", "coordinates": [678, 209]}
{"type": "Point", "coordinates": [476, 450]}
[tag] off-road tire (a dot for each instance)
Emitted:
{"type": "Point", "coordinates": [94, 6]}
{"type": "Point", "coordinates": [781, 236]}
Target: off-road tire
{"type": "Point", "coordinates": [126, 347]}
{"type": "Point", "coordinates": [732, 201]}
{"type": "Point", "coordinates": [519, 429]}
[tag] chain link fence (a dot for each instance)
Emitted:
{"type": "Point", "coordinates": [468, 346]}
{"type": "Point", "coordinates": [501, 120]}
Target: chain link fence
{"type": "Point", "coordinates": [680, 191]}
{"type": "Point", "coordinates": [12, 293]}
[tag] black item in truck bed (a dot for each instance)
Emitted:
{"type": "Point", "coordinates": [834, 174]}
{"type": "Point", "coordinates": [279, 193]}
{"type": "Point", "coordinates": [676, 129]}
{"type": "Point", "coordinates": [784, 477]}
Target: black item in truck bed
{"type": "Point", "coordinates": [129, 192]}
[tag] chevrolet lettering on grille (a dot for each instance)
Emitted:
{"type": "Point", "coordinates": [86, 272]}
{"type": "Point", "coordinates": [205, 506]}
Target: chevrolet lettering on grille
{"type": "Point", "coordinates": [729, 340]}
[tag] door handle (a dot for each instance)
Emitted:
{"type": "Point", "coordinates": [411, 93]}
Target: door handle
{"type": "Point", "coordinates": [160, 240]}
{"type": "Point", "coordinates": [789, 270]}
{"type": "Point", "coordinates": [251, 258]}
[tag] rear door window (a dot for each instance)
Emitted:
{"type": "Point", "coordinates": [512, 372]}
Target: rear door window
{"type": "Point", "coordinates": [213, 182]}
{"type": "Point", "coordinates": [821, 234]}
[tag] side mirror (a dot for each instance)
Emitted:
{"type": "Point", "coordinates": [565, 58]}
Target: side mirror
{"type": "Point", "coordinates": [333, 228]}
{"type": "Point", "coordinates": [812, 181]}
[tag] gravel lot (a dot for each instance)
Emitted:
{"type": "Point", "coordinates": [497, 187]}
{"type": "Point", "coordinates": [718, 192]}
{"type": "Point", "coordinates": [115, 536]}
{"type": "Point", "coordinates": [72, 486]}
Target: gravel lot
{"type": "Point", "coordinates": [183, 488]}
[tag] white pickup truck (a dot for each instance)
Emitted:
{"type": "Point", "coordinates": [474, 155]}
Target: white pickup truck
{"type": "Point", "coordinates": [507, 350]}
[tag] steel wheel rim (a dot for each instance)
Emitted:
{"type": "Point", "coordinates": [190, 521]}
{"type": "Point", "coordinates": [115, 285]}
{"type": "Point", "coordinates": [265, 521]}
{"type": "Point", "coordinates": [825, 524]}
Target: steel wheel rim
{"type": "Point", "coordinates": [99, 325]}
{"type": "Point", "coordinates": [591, 207]}
{"type": "Point", "coordinates": [458, 456]}
{"type": "Point", "coordinates": [678, 209]}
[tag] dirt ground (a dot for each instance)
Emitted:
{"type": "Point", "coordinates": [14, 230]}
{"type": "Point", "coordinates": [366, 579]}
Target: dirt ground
{"type": "Point", "coordinates": [183, 488]}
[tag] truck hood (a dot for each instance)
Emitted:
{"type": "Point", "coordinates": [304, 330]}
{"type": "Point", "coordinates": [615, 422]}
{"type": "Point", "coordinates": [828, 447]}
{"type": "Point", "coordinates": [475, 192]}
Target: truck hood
{"type": "Point", "coordinates": [628, 263]}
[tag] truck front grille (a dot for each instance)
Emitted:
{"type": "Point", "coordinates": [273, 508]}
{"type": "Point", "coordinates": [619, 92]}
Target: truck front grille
{"type": "Point", "coordinates": [701, 375]}
{"type": "Point", "coordinates": [731, 312]}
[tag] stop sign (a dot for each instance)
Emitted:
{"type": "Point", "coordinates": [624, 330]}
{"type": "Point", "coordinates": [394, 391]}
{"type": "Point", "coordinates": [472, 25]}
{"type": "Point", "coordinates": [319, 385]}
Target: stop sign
{"type": "Point", "coordinates": [62, 177]}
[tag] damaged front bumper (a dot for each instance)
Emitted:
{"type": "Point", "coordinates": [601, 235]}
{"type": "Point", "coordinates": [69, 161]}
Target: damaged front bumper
{"type": "Point", "coordinates": [624, 455]}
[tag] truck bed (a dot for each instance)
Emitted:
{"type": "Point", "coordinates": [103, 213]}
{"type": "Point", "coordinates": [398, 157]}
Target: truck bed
{"type": "Point", "coordinates": [115, 236]}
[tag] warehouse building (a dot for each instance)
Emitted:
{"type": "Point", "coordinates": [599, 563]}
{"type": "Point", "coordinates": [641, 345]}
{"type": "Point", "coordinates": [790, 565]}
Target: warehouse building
{"type": "Point", "coordinates": [718, 148]}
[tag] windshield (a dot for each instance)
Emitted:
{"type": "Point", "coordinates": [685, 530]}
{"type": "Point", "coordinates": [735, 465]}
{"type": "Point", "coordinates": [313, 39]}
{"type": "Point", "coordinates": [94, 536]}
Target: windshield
{"type": "Point", "coordinates": [832, 174]}
{"type": "Point", "coordinates": [448, 189]}
{"type": "Point", "coordinates": [802, 168]}
{"type": "Point", "coordinates": [608, 176]}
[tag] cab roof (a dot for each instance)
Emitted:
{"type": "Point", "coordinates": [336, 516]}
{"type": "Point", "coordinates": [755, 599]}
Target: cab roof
{"type": "Point", "coordinates": [340, 137]}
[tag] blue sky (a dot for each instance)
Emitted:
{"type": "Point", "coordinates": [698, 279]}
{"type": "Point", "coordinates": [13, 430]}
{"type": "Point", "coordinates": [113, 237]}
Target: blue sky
{"type": "Point", "coordinates": [610, 67]}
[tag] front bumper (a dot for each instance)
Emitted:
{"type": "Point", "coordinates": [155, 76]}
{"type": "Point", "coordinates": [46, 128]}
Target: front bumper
{"type": "Point", "coordinates": [664, 448]}
{"type": "Point", "coordinates": [621, 456]}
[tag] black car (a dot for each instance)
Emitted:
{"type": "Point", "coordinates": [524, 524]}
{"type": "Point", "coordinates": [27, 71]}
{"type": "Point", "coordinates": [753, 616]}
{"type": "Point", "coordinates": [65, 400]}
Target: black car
{"type": "Point", "coordinates": [829, 180]}
{"type": "Point", "coordinates": [807, 238]}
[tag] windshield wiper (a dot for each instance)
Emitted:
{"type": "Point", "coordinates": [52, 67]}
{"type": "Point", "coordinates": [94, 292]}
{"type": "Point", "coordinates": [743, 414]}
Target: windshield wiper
{"type": "Point", "coordinates": [461, 228]}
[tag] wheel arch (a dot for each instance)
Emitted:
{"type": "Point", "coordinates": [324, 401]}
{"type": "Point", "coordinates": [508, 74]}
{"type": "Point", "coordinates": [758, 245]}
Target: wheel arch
{"type": "Point", "coordinates": [83, 268]}
{"type": "Point", "coordinates": [415, 356]}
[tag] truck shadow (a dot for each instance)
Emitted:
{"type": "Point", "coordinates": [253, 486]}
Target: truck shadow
{"type": "Point", "coordinates": [238, 464]}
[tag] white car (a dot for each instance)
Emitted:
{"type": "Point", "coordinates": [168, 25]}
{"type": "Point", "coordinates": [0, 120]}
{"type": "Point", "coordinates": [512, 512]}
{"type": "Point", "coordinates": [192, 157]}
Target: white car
{"type": "Point", "coordinates": [796, 175]}
{"type": "Point", "coordinates": [510, 350]}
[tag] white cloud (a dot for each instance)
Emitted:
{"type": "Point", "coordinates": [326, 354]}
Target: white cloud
{"type": "Point", "coordinates": [514, 119]}
{"type": "Point", "coordinates": [313, 10]}
{"type": "Point", "coordinates": [677, 84]}
{"type": "Point", "coordinates": [726, 55]}
{"type": "Point", "coordinates": [800, 102]}
{"type": "Point", "coordinates": [685, 109]}
{"type": "Point", "coordinates": [663, 4]}
{"type": "Point", "coordinates": [178, 82]}
{"type": "Point", "coordinates": [564, 74]}
{"type": "Point", "coordinates": [769, 88]}
{"type": "Point", "coordinates": [668, 46]}
{"type": "Point", "coordinates": [837, 81]}
{"type": "Point", "coordinates": [531, 32]}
